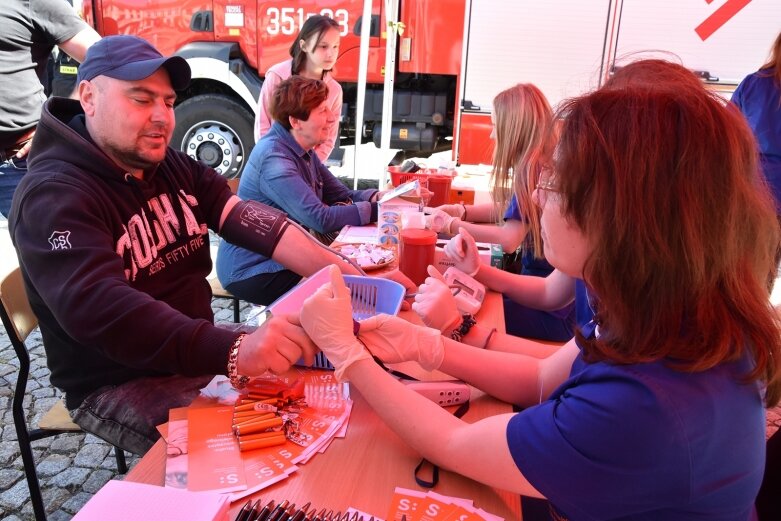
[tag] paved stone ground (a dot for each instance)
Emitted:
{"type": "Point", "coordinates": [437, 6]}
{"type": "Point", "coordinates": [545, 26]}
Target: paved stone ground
{"type": "Point", "coordinates": [71, 467]}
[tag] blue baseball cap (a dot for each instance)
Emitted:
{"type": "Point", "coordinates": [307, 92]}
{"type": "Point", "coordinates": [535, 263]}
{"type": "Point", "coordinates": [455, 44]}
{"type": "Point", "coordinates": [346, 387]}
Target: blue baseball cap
{"type": "Point", "coordinates": [130, 58]}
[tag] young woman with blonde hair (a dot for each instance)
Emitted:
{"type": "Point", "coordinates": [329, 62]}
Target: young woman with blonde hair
{"type": "Point", "coordinates": [521, 116]}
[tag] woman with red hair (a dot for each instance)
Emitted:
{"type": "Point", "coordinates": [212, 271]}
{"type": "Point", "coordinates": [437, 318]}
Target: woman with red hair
{"type": "Point", "coordinates": [655, 200]}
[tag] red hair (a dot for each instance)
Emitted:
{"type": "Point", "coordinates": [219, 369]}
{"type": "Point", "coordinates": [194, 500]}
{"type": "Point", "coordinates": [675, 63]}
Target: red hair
{"type": "Point", "coordinates": [665, 185]}
{"type": "Point", "coordinates": [296, 97]}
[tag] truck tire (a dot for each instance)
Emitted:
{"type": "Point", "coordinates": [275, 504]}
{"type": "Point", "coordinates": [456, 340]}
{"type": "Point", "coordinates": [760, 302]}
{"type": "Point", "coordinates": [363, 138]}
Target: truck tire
{"type": "Point", "coordinates": [216, 131]}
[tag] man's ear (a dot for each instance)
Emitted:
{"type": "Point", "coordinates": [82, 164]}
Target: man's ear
{"type": "Point", "coordinates": [87, 97]}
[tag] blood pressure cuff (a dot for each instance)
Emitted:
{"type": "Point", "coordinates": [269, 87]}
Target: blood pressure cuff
{"type": "Point", "coordinates": [254, 226]}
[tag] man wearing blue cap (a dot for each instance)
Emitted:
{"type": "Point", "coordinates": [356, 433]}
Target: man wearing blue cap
{"type": "Point", "coordinates": [111, 229]}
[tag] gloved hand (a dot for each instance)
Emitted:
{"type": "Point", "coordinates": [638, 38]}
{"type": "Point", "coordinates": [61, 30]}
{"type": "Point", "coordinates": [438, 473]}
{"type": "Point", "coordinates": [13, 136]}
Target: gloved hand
{"type": "Point", "coordinates": [435, 303]}
{"type": "Point", "coordinates": [440, 221]}
{"type": "Point", "coordinates": [462, 250]}
{"type": "Point", "coordinates": [393, 339]}
{"type": "Point", "coordinates": [397, 276]}
{"type": "Point", "coordinates": [327, 318]}
{"type": "Point", "coordinates": [456, 210]}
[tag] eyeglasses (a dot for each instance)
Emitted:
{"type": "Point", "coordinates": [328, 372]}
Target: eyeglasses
{"type": "Point", "coordinates": [546, 182]}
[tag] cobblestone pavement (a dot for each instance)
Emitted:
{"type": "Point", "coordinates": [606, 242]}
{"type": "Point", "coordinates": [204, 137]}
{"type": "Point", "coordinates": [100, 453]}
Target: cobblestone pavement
{"type": "Point", "coordinates": [71, 467]}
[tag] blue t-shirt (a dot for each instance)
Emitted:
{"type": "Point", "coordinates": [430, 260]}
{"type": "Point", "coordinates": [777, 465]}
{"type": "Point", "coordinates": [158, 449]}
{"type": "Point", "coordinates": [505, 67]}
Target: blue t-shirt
{"type": "Point", "coordinates": [645, 442]}
{"type": "Point", "coordinates": [759, 99]}
{"type": "Point", "coordinates": [530, 265]}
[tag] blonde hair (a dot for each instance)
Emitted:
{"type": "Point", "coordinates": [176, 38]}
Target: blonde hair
{"type": "Point", "coordinates": [522, 116]}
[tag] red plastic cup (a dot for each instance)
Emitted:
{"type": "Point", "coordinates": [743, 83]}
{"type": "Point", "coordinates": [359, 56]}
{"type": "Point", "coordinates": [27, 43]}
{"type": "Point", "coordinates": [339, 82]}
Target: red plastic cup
{"type": "Point", "coordinates": [440, 188]}
{"type": "Point", "coordinates": [416, 252]}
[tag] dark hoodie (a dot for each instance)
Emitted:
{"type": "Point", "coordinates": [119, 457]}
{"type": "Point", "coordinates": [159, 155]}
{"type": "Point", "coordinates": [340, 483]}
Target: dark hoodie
{"type": "Point", "coordinates": [115, 267]}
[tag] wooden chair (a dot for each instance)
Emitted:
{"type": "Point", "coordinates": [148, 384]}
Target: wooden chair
{"type": "Point", "coordinates": [19, 321]}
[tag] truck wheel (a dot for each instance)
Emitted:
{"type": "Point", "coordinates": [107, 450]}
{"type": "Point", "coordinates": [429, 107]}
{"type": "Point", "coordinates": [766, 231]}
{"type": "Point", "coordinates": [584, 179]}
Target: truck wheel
{"type": "Point", "coordinates": [216, 131]}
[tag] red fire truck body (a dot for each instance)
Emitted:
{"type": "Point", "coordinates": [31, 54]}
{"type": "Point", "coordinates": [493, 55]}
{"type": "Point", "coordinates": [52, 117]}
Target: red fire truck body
{"type": "Point", "coordinates": [453, 56]}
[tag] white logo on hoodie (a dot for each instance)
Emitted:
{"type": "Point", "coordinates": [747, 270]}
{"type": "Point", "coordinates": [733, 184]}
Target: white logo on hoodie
{"type": "Point", "coordinates": [60, 240]}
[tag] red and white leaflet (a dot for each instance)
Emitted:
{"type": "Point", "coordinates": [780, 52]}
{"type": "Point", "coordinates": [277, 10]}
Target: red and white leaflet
{"type": "Point", "coordinates": [176, 459]}
{"type": "Point", "coordinates": [262, 469]}
{"type": "Point", "coordinates": [215, 462]}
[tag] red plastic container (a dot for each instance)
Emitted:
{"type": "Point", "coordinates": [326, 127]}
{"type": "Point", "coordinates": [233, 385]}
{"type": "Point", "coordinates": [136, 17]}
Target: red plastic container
{"type": "Point", "coordinates": [440, 188]}
{"type": "Point", "coordinates": [416, 252]}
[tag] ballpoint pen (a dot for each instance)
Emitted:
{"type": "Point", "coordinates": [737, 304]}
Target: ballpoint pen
{"type": "Point", "coordinates": [244, 512]}
{"type": "Point", "coordinates": [278, 512]}
{"type": "Point", "coordinates": [320, 516]}
{"type": "Point", "coordinates": [264, 512]}
{"type": "Point", "coordinates": [300, 514]}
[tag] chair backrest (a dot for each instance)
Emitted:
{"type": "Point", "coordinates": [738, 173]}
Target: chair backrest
{"type": "Point", "coordinates": [18, 316]}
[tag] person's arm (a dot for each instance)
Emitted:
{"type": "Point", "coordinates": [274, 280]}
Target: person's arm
{"type": "Point", "coordinates": [550, 293]}
{"type": "Point", "coordinates": [296, 250]}
{"type": "Point", "coordinates": [263, 117]}
{"type": "Point", "coordinates": [479, 213]}
{"type": "Point", "coordinates": [509, 234]}
{"type": "Point", "coordinates": [514, 378]}
{"type": "Point", "coordinates": [479, 450]}
{"type": "Point", "coordinates": [77, 46]}
{"type": "Point", "coordinates": [282, 183]}
{"type": "Point", "coordinates": [324, 149]}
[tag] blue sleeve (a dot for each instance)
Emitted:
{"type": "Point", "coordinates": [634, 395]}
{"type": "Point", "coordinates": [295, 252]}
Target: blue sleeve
{"type": "Point", "coordinates": [334, 190]}
{"type": "Point", "coordinates": [598, 447]}
{"type": "Point", "coordinates": [737, 96]}
{"type": "Point", "coordinates": [283, 184]}
{"type": "Point", "coordinates": [513, 210]}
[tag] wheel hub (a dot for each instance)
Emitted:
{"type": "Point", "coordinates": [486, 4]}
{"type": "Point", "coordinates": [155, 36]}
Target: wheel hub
{"type": "Point", "coordinates": [217, 146]}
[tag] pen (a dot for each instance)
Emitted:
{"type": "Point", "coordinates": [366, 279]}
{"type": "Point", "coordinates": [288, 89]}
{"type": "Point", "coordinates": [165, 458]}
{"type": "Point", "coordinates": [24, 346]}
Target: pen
{"type": "Point", "coordinates": [320, 516]}
{"type": "Point", "coordinates": [277, 512]}
{"type": "Point", "coordinates": [244, 512]}
{"type": "Point", "coordinates": [265, 511]}
{"type": "Point", "coordinates": [312, 514]}
{"type": "Point", "coordinates": [300, 514]}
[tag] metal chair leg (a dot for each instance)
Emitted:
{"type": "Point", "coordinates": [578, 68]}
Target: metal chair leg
{"type": "Point", "coordinates": [29, 471]}
{"type": "Point", "coordinates": [119, 454]}
{"type": "Point", "coordinates": [236, 306]}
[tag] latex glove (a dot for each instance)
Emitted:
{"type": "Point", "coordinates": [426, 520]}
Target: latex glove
{"type": "Point", "coordinates": [456, 210]}
{"type": "Point", "coordinates": [425, 195]}
{"type": "Point", "coordinates": [276, 345]}
{"type": "Point", "coordinates": [409, 287]}
{"type": "Point", "coordinates": [440, 221]}
{"type": "Point", "coordinates": [327, 318]}
{"type": "Point", "coordinates": [435, 303]}
{"type": "Point", "coordinates": [462, 250]}
{"type": "Point", "coordinates": [393, 339]}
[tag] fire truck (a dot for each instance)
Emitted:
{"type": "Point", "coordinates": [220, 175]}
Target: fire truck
{"type": "Point", "coordinates": [453, 56]}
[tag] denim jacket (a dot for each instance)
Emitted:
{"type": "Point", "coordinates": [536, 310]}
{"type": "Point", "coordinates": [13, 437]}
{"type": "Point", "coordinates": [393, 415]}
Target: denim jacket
{"type": "Point", "coordinates": [280, 173]}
